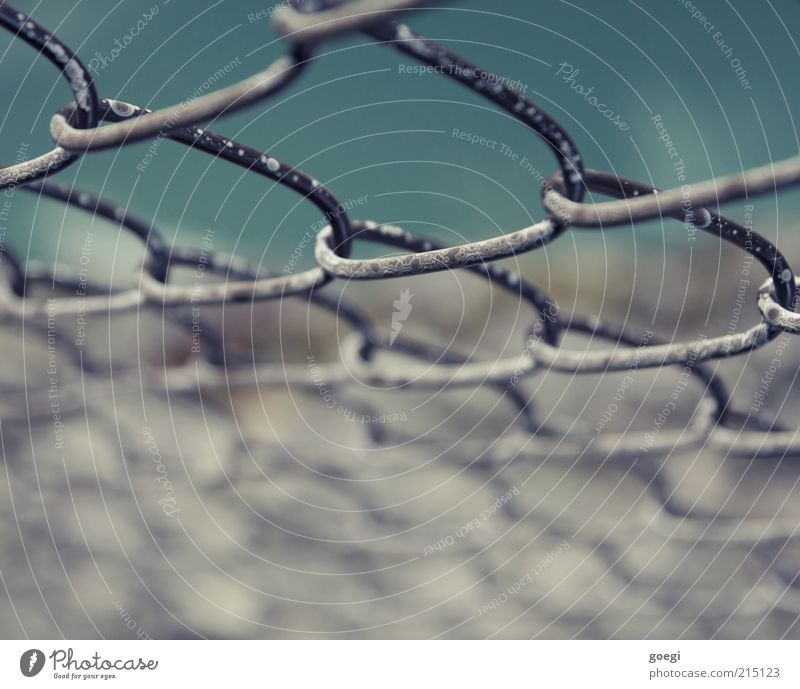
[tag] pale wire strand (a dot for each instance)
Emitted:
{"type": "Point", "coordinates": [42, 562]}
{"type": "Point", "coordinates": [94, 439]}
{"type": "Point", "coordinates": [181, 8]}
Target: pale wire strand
{"type": "Point", "coordinates": [225, 101]}
{"type": "Point", "coordinates": [753, 182]}
{"type": "Point", "coordinates": [336, 20]}
{"type": "Point", "coordinates": [776, 314]}
{"type": "Point", "coordinates": [303, 27]}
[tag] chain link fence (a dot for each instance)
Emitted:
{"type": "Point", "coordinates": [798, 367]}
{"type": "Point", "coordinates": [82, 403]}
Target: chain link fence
{"type": "Point", "coordinates": [208, 449]}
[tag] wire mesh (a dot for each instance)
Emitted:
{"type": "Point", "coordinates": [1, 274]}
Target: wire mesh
{"type": "Point", "coordinates": [318, 500]}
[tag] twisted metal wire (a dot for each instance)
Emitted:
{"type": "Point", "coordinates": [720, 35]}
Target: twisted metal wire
{"type": "Point", "coordinates": [79, 80]}
{"type": "Point", "coordinates": [655, 204]}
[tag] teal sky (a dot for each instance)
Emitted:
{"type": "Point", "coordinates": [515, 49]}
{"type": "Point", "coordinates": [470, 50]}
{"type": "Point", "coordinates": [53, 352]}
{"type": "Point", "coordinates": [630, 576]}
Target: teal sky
{"type": "Point", "coordinates": [361, 123]}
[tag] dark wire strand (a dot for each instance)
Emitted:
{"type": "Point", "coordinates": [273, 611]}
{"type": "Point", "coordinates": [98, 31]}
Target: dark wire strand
{"type": "Point", "coordinates": [493, 88]}
{"type": "Point", "coordinates": [157, 247]}
{"type": "Point", "coordinates": [85, 114]}
{"type": "Point", "coordinates": [252, 160]}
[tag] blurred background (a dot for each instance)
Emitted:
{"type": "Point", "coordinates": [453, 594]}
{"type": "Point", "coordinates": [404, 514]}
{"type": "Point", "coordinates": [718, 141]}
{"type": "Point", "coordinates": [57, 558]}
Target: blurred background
{"type": "Point", "coordinates": [293, 519]}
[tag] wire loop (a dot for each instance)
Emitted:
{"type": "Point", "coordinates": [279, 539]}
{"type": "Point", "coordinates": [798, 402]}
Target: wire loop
{"type": "Point", "coordinates": [79, 80]}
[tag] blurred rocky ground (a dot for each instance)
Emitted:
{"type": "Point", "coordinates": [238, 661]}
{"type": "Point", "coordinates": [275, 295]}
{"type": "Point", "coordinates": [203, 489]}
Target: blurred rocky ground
{"type": "Point", "coordinates": [130, 511]}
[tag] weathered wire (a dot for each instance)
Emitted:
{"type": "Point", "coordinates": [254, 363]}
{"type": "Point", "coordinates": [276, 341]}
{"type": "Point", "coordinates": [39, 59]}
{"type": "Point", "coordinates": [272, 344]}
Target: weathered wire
{"type": "Point", "coordinates": [496, 90]}
{"type": "Point", "coordinates": [337, 18]}
{"type": "Point", "coordinates": [750, 241]}
{"type": "Point", "coordinates": [428, 260]}
{"type": "Point", "coordinates": [753, 182]}
{"type": "Point", "coordinates": [774, 311]}
{"type": "Point", "coordinates": [79, 80]}
{"type": "Point", "coordinates": [491, 87]}
{"type": "Point", "coordinates": [225, 101]}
